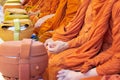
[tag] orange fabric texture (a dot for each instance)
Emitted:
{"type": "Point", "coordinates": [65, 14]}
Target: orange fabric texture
{"type": "Point", "coordinates": [108, 62]}
{"type": "Point", "coordinates": [49, 7]}
{"type": "Point", "coordinates": [40, 8]}
{"type": "Point", "coordinates": [36, 5]}
{"type": "Point", "coordinates": [30, 4]}
{"type": "Point", "coordinates": [34, 8]}
{"type": "Point", "coordinates": [65, 12]}
{"type": "Point", "coordinates": [45, 7]}
{"type": "Point", "coordinates": [83, 36]}
{"type": "Point", "coordinates": [111, 77]}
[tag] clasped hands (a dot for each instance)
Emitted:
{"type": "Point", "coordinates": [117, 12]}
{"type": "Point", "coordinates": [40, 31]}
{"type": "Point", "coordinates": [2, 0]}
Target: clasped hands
{"type": "Point", "coordinates": [55, 46]}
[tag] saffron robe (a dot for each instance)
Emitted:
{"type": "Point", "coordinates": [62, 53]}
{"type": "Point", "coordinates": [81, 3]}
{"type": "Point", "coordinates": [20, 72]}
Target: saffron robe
{"type": "Point", "coordinates": [110, 57]}
{"type": "Point", "coordinates": [111, 77]}
{"type": "Point", "coordinates": [108, 62]}
{"type": "Point", "coordinates": [84, 39]}
{"type": "Point", "coordinates": [65, 12]}
{"type": "Point", "coordinates": [44, 7]}
{"type": "Point", "coordinates": [33, 7]}
{"type": "Point", "coordinates": [30, 4]}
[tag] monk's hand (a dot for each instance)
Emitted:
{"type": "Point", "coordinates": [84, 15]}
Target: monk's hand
{"type": "Point", "coordinates": [57, 46]}
{"type": "Point", "coordinates": [48, 41]}
{"type": "Point", "coordinates": [69, 75]}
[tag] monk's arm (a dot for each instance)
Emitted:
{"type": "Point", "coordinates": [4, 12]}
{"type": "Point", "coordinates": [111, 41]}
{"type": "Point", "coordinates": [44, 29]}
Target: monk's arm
{"type": "Point", "coordinates": [113, 65]}
{"type": "Point", "coordinates": [98, 60]}
{"type": "Point", "coordinates": [110, 67]}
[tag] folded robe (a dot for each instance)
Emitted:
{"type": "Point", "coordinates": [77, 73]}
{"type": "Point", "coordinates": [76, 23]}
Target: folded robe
{"type": "Point", "coordinates": [111, 77]}
{"type": "Point", "coordinates": [30, 4]}
{"type": "Point", "coordinates": [43, 8]}
{"type": "Point", "coordinates": [49, 7]}
{"type": "Point", "coordinates": [65, 12]}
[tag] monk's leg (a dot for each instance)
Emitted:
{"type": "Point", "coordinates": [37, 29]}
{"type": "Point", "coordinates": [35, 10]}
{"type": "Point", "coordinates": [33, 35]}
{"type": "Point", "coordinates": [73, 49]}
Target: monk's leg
{"type": "Point", "coordinates": [55, 60]}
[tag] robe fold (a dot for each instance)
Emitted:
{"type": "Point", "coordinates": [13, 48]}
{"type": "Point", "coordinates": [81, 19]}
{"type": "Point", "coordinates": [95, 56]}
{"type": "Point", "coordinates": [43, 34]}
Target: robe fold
{"type": "Point", "coordinates": [49, 7]}
{"type": "Point", "coordinates": [108, 62]}
{"type": "Point", "coordinates": [46, 7]}
{"type": "Point", "coordinates": [111, 77]}
{"type": "Point", "coordinates": [41, 8]}
{"type": "Point", "coordinates": [85, 41]}
{"type": "Point", "coordinates": [30, 5]}
{"type": "Point", "coordinates": [65, 12]}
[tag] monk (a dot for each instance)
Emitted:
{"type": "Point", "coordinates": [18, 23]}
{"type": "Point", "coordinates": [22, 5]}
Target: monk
{"type": "Point", "coordinates": [105, 63]}
{"type": "Point", "coordinates": [65, 12]}
{"type": "Point", "coordinates": [81, 39]}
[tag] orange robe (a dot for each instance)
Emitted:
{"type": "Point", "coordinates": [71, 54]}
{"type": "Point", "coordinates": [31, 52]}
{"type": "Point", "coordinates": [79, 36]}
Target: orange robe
{"type": "Point", "coordinates": [49, 7]}
{"type": "Point", "coordinates": [108, 62]}
{"type": "Point", "coordinates": [33, 6]}
{"type": "Point", "coordinates": [65, 12]}
{"type": "Point", "coordinates": [85, 40]}
{"type": "Point", "coordinates": [30, 4]}
{"type": "Point", "coordinates": [111, 77]}
{"type": "Point", "coordinates": [45, 7]}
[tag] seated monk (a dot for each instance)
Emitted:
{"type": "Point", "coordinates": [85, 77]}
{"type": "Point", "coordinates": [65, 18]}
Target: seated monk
{"type": "Point", "coordinates": [72, 45]}
{"type": "Point", "coordinates": [105, 63]}
{"type": "Point", "coordinates": [65, 12]}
